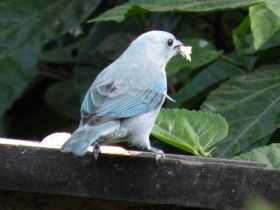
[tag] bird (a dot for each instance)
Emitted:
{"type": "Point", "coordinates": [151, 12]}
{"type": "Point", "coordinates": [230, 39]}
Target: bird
{"type": "Point", "coordinates": [124, 100]}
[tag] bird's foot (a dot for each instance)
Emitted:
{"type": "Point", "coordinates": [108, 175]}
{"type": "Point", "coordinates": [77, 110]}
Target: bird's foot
{"type": "Point", "coordinates": [159, 153]}
{"type": "Point", "coordinates": [96, 150]}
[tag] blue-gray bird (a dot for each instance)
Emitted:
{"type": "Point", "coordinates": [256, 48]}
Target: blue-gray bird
{"type": "Point", "coordinates": [124, 100]}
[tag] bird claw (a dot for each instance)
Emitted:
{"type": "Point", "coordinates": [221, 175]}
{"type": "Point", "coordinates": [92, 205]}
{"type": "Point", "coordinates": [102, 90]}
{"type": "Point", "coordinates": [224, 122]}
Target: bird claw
{"type": "Point", "coordinates": [159, 153]}
{"type": "Point", "coordinates": [96, 150]}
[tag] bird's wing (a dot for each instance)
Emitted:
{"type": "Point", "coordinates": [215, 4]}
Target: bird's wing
{"type": "Point", "coordinates": [109, 101]}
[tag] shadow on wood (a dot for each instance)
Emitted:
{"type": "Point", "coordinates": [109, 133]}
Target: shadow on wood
{"type": "Point", "coordinates": [36, 201]}
{"type": "Point", "coordinates": [136, 177]}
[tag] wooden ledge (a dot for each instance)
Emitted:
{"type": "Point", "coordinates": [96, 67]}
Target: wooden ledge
{"type": "Point", "coordinates": [133, 176]}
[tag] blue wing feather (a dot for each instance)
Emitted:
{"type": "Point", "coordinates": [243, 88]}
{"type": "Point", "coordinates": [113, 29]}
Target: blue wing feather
{"type": "Point", "coordinates": [126, 103]}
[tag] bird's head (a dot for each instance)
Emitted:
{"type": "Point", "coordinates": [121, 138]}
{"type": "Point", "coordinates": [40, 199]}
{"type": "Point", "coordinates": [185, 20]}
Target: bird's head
{"type": "Point", "coordinates": [157, 46]}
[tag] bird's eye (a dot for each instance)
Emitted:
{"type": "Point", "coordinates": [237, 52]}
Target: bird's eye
{"type": "Point", "coordinates": [170, 42]}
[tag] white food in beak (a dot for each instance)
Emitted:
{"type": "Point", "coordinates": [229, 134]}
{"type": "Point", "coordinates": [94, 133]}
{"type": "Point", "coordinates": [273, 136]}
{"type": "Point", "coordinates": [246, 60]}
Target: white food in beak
{"type": "Point", "coordinates": [186, 52]}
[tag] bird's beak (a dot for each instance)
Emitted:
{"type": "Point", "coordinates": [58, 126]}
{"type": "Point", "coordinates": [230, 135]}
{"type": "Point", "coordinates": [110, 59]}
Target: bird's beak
{"type": "Point", "coordinates": [177, 46]}
{"type": "Point", "coordinates": [184, 50]}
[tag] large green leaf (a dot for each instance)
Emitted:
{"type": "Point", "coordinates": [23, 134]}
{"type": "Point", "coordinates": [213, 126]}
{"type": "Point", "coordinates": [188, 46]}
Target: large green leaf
{"type": "Point", "coordinates": [271, 47]}
{"type": "Point", "coordinates": [251, 106]}
{"type": "Point", "coordinates": [192, 131]}
{"type": "Point", "coordinates": [256, 202]}
{"type": "Point", "coordinates": [66, 97]}
{"type": "Point", "coordinates": [261, 142]}
{"type": "Point", "coordinates": [23, 21]}
{"type": "Point", "coordinates": [274, 6]}
{"type": "Point", "coordinates": [15, 73]}
{"type": "Point", "coordinates": [88, 51]}
{"type": "Point", "coordinates": [268, 155]}
{"type": "Point", "coordinates": [244, 40]}
{"type": "Point", "coordinates": [99, 47]}
{"type": "Point", "coordinates": [202, 53]}
{"type": "Point", "coordinates": [135, 7]}
{"type": "Point", "coordinates": [216, 72]}
{"type": "Point", "coordinates": [25, 25]}
{"type": "Point", "coordinates": [264, 23]}
{"type": "Point", "coordinates": [242, 36]}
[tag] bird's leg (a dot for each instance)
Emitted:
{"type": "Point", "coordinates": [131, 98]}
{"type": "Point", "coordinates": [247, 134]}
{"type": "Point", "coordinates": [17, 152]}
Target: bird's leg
{"type": "Point", "coordinates": [96, 150]}
{"type": "Point", "coordinates": [159, 153]}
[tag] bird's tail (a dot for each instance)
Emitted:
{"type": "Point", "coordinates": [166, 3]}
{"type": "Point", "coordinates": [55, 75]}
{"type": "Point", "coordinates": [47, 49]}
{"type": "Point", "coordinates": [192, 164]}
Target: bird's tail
{"type": "Point", "coordinates": [80, 140]}
{"type": "Point", "coordinates": [86, 135]}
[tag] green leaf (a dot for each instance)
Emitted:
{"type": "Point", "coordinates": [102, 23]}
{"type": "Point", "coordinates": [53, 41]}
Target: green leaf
{"type": "Point", "coordinates": [251, 106]}
{"type": "Point", "coordinates": [243, 37]}
{"type": "Point", "coordinates": [119, 13]}
{"type": "Point", "coordinates": [256, 202]}
{"type": "Point", "coordinates": [192, 131]}
{"type": "Point", "coordinates": [25, 25]}
{"type": "Point", "coordinates": [261, 142]}
{"type": "Point", "coordinates": [268, 155]}
{"type": "Point", "coordinates": [244, 40]}
{"type": "Point", "coordinates": [274, 6]}
{"type": "Point", "coordinates": [202, 53]}
{"type": "Point", "coordinates": [89, 50]}
{"type": "Point", "coordinates": [207, 78]}
{"type": "Point", "coordinates": [66, 97]}
{"type": "Point", "coordinates": [264, 23]}
{"type": "Point", "coordinates": [25, 20]}
{"type": "Point", "coordinates": [66, 54]}
{"type": "Point", "coordinates": [15, 73]}
{"type": "Point", "coordinates": [271, 47]}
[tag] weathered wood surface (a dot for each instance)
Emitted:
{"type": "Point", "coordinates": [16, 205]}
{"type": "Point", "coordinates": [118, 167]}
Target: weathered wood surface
{"type": "Point", "coordinates": [178, 180]}
{"type": "Point", "coordinates": [11, 200]}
